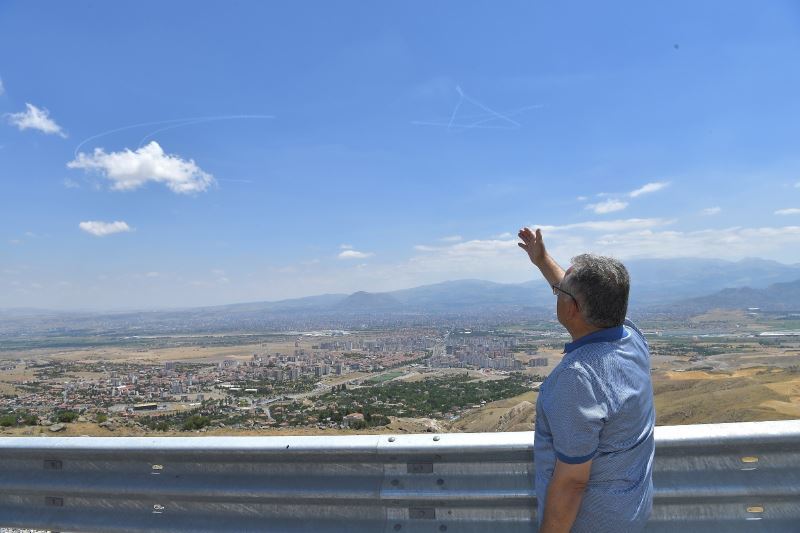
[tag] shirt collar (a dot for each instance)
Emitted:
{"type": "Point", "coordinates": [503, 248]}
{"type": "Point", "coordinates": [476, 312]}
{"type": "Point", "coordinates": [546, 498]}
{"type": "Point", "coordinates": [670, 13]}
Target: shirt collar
{"type": "Point", "coordinates": [603, 335]}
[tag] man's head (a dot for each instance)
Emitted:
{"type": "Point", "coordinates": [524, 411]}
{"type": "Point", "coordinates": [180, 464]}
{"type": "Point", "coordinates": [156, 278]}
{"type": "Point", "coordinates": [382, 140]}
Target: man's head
{"type": "Point", "coordinates": [600, 287]}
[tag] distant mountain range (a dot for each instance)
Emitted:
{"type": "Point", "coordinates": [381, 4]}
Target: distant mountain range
{"type": "Point", "coordinates": [776, 297]}
{"type": "Point", "coordinates": [672, 285]}
{"type": "Point", "coordinates": [654, 283]}
{"type": "Point", "coordinates": [657, 281]}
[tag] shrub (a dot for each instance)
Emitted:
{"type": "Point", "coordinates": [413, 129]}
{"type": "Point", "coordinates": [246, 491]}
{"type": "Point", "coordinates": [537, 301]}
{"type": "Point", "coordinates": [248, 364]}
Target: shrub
{"type": "Point", "coordinates": [358, 424]}
{"type": "Point", "coordinates": [196, 422]}
{"type": "Point", "coordinates": [67, 416]}
{"type": "Point", "coordinates": [102, 417]}
{"type": "Point", "coordinates": [8, 421]}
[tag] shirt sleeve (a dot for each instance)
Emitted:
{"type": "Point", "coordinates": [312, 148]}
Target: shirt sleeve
{"type": "Point", "coordinates": [576, 417]}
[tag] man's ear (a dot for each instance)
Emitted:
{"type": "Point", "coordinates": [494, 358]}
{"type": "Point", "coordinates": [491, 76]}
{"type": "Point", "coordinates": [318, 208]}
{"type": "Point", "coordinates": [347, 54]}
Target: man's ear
{"type": "Point", "coordinates": [574, 310]}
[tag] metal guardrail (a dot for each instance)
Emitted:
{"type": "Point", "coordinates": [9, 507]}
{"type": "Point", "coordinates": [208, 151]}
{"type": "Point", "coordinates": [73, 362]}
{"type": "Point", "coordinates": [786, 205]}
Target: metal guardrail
{"type": "Point", "coordinates": [718, 477]}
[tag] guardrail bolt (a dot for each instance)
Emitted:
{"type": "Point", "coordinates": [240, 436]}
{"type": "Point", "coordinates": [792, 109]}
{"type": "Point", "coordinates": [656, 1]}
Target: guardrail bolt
{"type": "Point", "coordinates": [53, 464]}
{"type": "Point", "coordinates": [391, 439]}
{"type": "Point", "coordinates": [398, 527]}
{"type": "Point", "coordinates": [437, 437]}
{"type": "Point", "coordinates": [443, 528]}
{"type": "Point", "coordinates": [395, 482]}
{"type": "Point", "coordinates": [440, 482]}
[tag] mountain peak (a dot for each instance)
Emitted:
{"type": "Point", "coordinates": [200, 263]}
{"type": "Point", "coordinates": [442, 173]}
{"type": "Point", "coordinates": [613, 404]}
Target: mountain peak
{"type": "Point", "coordinates": [370, 301]}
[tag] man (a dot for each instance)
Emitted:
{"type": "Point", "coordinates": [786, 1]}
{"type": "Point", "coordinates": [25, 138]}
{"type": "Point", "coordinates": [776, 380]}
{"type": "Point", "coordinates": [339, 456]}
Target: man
{"type": "Point", "coordinates": [593, 446]}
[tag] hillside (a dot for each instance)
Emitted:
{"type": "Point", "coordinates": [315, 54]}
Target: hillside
{"type": "Point", "coordinates": [776, 297]}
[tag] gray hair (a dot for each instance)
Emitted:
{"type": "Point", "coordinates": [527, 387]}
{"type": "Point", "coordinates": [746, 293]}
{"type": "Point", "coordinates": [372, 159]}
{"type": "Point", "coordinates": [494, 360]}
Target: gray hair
{"type": "Point", "coordinates": [601, 285]}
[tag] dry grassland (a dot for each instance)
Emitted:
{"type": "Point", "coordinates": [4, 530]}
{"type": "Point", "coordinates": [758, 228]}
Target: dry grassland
{"type": "Point", "coordinates": [747, 395]}
{"type": "Point", "coordinates": [495, 416]}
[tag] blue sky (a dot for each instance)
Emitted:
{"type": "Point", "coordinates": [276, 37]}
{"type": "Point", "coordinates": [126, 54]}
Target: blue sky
{"type": "Point", "coordinates": [373, 148]}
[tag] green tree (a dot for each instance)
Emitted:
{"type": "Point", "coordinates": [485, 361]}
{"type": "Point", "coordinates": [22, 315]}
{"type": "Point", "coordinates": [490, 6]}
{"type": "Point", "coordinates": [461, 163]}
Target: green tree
{"type": "Point", "coordinates": [67, 416]}
{"type": "Point", "coordinates": [196, 422]}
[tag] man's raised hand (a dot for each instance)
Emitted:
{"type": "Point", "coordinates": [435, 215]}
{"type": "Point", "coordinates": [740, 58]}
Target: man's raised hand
{"type": "Point", "coordinates": [533, 244]}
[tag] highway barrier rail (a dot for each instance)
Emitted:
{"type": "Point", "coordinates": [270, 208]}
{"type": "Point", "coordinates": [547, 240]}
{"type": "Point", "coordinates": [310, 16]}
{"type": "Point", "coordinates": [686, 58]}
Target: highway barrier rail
{"type": "Point", "coordinates": [715, 477]}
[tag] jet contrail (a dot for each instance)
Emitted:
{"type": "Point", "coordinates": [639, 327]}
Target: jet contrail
{"type": "Point", "coordinates": [457, 121]}
{"type": "Point", "coordinates": [176, 123]}
{"type": "Point", "coordinates": [202, 120]}
{"type": "Point", "coordinates": [479, 120]}
{"type": "Point", "coordinates": [487, 109]}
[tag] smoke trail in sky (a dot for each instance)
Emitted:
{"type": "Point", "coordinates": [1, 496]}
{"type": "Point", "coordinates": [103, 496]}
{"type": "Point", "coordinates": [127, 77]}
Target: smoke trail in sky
{"type": "Point", "coordinates": [457, 121]}
{"type": "Point", "coordinates": [174, 123]}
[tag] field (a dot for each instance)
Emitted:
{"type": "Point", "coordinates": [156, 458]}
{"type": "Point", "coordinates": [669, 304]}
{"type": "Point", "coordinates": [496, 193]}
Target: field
{"type": "Point", "coordinates": [387, 376]}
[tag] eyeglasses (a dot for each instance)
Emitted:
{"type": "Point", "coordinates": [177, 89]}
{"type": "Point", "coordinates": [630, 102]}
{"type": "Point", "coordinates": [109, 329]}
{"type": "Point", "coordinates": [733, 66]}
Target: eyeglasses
{"type": "Point", "coordinates": [557, 289]}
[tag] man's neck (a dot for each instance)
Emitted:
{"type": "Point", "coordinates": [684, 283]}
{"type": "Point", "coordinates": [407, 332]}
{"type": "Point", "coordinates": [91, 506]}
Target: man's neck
{"type": "Point", "coordinates": [581, 330]}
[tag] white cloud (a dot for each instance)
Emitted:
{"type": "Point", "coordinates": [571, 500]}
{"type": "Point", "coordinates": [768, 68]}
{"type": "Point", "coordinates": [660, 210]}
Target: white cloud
{"type": "Point", "coordinates": [71, 184]}
{"type": "Point", "coordinates": [101, 229]}
{"type": "Point", "coordinates": [495, 259]}
{"type": "Point", "coordinates": [354, 254]}
{"type": "Point", "coordinates": [607, 206]}
{"type": "Point", "coordinates": [504, 235]}
{"type": "Point", "coordinates": [582, 198]}
{"type": "Point", "coordinates": [346, 246]}
{"type": "Point", "coordinates": [501, 260]}
{"type": "Point", "coordinates": [797, 184]}
{"type": "Point", "coordinates": [648, 188]}
{"type": "Point", "coordinates": [129, 170]}
{"type": "Point", "coordinates": [709, 211]}
{"type": "Point", "coordinates": [627, 224]}
{"type": "Point", "coordinates": [35, 119]}
{"type": "Point", "coordinates": [726, 243]}
{"type": "Point", "coordinates": [479, 248]}
{"type": "Point", "coordinates": [2, 87]}
{"type": "Point", "coordinates": [452, 238]}
{"type": "Point", "coordinates": [152, 275]}
{"type": "Point", "coordinates": [222, 277]}
{"type": "Point", "coordinates": [789, 211]}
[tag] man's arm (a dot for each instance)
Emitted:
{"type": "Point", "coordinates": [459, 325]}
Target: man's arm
{"type": "Point", "coordinates": [534, 245]}
{"type": "Point", "coordinates": [564, 495]}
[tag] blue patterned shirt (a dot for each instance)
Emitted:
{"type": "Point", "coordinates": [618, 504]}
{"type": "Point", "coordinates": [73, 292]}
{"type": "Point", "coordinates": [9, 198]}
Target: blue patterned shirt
{"type": "Point", "coordinates": [598, 404]}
